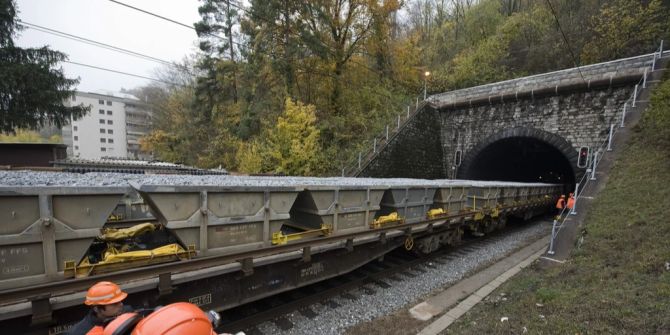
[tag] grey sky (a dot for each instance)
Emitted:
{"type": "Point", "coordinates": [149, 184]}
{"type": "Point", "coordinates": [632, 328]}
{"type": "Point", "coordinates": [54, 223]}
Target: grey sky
{"type": "Point", "coordinates": [110, 23]}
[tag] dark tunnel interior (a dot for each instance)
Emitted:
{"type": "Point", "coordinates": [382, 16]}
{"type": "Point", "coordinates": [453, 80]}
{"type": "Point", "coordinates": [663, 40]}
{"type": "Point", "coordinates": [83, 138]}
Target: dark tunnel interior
{"type": "Point", "coordinates": [521, 159]}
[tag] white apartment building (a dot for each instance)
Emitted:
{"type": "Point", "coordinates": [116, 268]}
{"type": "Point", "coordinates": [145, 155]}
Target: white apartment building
{"type": "Point", "coordinates": [112, 127]}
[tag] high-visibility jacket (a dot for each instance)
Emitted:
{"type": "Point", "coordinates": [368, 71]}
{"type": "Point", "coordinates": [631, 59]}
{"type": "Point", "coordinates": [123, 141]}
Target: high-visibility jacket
{"type": "Point", "coordinates": [560, 203]}
{"type": "Point", "coordinates": [571, 202]}
{"type": "Point", "coordinates": [97, 330]}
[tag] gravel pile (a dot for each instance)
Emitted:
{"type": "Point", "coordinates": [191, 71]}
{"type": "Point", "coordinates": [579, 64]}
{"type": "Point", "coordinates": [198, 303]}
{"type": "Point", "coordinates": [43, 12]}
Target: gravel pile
{"type": "Point", "coordinates": [39, 178]}
{"type": "Point", "coordinates": [403, 294]}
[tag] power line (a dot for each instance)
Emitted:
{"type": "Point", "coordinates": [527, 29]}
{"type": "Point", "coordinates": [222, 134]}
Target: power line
{"type": "Point", "coordinates": [172, 21]}
{"type": "Point", "coordinates": [558, 24]}
{"type": "Point", "coordinates": [121, 72]}
{"type": "Point", "coordinates": [101, 45]}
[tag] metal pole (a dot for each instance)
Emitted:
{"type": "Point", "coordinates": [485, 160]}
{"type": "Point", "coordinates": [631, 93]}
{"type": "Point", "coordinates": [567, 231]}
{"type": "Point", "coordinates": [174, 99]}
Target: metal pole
{"type": "Point", "coordinates": [653, 62]}
{"type": "Point", "coordinates": [553, 235]}
{"type": "Point", "coordinates": [374, 146]}
{"type": "Point", "coordinates": [635, 94]}
{"type": "Point", "coordinates": [387, 132]}
{"type": "Point", "coordinates": [644, 80]}
{"type": "Point", "coordinates": [623, 114]}
{"type": "Point", "coordinates": [398, 121]}
{"type": "Point", "coordinates": [574, 206]}
{"type": "Point", "coordinates": [609, 140]}
{"type": "Point", "coordinates": [359, 159]}
{"type": "Point", "coordinates": [661, 49]}
{"type": "Point", "coordinates": [595, 163]}
{"type": "Point", "coordinates": [425, 80]}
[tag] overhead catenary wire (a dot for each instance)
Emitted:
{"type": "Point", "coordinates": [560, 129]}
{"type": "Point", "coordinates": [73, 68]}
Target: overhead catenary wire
{"type": "Point", "coordinates": [101, 45]}
{"type": "Point", "coordinates": [172, 21]}
{"type": "Point", "coordinates": [121, 72]}
{"type": "Point", "coordinates": [565, 39]}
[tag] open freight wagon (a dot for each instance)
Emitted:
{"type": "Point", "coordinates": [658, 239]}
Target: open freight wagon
{"type": "Point", "coordinates": [228, 244]}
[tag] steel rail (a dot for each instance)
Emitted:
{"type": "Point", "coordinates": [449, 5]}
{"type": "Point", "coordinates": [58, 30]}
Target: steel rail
{"type": "Point", "coordinates": [47, 290]}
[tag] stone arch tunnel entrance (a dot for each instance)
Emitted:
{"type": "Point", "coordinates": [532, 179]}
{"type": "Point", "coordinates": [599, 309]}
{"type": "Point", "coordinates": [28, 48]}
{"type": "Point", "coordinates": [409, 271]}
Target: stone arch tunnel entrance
{"type": "Point", "coordinates": [522, 155]}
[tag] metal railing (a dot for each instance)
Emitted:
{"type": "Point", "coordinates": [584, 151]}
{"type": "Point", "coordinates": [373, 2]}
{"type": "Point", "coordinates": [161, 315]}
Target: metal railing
{"type": "Point", "coordinates": [380, 141]}
{"type": "Point", "coordinates": [600, 150]}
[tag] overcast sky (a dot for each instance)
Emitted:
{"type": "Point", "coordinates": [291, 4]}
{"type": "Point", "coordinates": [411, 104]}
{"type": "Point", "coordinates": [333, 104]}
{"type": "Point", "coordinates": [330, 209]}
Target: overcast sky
{"type": "Point", "coordinates": [110, 23]}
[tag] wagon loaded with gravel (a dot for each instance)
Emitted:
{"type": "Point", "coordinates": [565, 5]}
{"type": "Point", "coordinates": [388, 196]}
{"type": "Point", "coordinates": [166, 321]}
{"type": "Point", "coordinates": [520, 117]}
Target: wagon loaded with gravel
{"type": "Point", "coordinates": [222, 241]}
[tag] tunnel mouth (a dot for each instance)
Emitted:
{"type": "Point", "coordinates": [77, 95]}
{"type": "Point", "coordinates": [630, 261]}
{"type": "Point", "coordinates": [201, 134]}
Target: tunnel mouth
{"type": "Point", "coordinates": [520, 159]}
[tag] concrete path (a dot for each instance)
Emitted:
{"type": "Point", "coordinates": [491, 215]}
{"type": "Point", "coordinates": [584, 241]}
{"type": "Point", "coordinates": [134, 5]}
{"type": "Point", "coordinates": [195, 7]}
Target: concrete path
{"type": "Point", "coordinates": [475, 288]}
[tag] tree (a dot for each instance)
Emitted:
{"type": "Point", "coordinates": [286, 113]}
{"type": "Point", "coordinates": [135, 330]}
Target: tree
{"type": "Point", "coordinates": [625, 28]}
{"type": "Point", "coordinates": [32, 88]}
{"type": "Point", "coordinates": [290, 147]}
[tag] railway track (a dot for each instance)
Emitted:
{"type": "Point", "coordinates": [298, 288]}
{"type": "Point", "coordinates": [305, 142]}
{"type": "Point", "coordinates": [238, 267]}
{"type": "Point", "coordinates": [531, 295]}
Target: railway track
{"type": "Point", "coordinates": [396, 266]}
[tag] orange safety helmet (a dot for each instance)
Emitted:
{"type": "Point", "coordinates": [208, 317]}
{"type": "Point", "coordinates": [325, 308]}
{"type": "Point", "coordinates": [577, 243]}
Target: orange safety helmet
{"type": "Point", "coordinates": [175, 319]}
{"type": "Point", "coordinates": [104, 293]}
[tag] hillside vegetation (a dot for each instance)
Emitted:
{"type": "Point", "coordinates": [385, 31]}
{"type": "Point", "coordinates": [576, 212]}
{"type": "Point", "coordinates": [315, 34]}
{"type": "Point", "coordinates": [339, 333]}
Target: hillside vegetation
{"type": "Point", "coordinates": [336, 72]}
{"type": "Point", "coordinates": [618, 279]}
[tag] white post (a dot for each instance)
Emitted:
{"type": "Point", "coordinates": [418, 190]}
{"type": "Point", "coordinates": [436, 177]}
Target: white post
{"type": "Point", "coordinates": [644, 80]}
{"type": "Point", "coordinates": [595, 163]}
{"type": "Point", "coordinates": [574, 206]}
{"type": "Point", "coordinates": [342, 172]}
{"type": "Point", "coordinates": [653, 62]}
{"type": "Point", "coordinates": [374, 146]}
{"type": "Point", "coordinates": [661, 49]}
{"type": "Point", "coordinates": [387, 132]}
{"type": "Point", "coordinates": [551, 242]}
{"type": "Point", "coordinates": [425, 85]}
{"type": "Point", "coordinates": [635, 94]}
{"type": "Point", "coordinates": [408, 111]}
{"type": "Point", "coordinates": [609, 140]}
{"type": "Point", "coordinates": [623, 114]}
{"type": "Point", "coordinates": [398, 122]}
{"type": "Point", "coordinates": [417, 103]}
{"type": "Point", "coordinates": [359, 159]}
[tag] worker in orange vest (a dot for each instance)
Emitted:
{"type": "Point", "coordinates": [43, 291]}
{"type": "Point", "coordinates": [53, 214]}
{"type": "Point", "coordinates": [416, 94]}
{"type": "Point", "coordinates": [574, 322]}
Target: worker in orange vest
{"type": "Point", "coordinates": [571, 201]}
{"type": "Point", "coordinates": [178, 318]}
{"type": "Point", "coordinates": [560, 204]}
{"type": "Point", "coordinates": [106, 301]}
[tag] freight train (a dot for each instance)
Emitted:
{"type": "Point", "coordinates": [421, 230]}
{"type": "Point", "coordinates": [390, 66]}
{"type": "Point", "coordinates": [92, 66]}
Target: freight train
{"type": "Point", "coordinates": [222, 241]}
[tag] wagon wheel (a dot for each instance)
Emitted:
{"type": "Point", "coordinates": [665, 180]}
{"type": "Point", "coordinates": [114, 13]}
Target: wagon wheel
{"type": "Point", "coordinates": [409, 243]}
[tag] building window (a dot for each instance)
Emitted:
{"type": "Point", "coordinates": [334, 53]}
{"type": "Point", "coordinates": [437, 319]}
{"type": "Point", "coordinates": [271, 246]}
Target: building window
{"type": "Point", "coordinates": [109, 112]}
{"type": "Point", "coordinates": [109, 131]}
{"type": "Point", "coordinates": [110, 140]}
{"type": "Point", "coordinates": [102, 102]}
{"type": "Point", "coordinates": [103, 149]}
{"type": "Point", "coordinates": [102, 140]}
{"type": "Point", "coordinates": [74, 98]}
{"type": "Point", "coordinates": [75, 128]}
{"type": "Point", "coordinates": [76, 138]}
{"type": "Point", "coordinates": [109, 121]}
{"type": "Point", "coordinates": [102, 121]}
{"type": "Point", "coordinates": [102, 130]}
{"type": "Point", "coordinates": [109, 103]}
{"type": "Point", "coordinates": [76, 147]}
{"type": "Point", "coordinates": [101, 111]}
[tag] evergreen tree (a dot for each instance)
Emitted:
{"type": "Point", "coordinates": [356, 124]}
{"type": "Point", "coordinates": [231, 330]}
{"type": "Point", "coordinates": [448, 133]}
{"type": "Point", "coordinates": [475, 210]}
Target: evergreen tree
{"type": "Point", "coordinates": [32, 89]}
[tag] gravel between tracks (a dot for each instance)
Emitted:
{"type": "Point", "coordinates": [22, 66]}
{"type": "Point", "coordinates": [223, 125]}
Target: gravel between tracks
{"type": "Point", "coordinates": [407, 291]}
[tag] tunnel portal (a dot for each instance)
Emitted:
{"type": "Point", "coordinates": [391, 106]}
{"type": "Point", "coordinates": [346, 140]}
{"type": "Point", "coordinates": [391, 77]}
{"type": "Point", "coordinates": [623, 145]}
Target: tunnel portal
{"type": "Point", "coordinates": [520, 159]}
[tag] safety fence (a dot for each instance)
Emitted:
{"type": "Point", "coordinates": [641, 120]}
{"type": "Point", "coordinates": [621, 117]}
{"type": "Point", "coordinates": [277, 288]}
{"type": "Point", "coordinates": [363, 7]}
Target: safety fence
{"type": "Point", "coordinates": [618, 122]}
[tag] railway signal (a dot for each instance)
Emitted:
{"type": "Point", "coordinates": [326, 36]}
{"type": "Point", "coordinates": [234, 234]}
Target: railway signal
{"type": "Point", "coordinates": [583, 159]}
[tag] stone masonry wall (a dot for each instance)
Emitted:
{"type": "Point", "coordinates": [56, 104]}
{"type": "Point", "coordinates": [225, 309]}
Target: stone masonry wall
{"type": "Point", "coordinates": [415, 152]}
{"type": "Point", "coordinates": [582, 119]}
